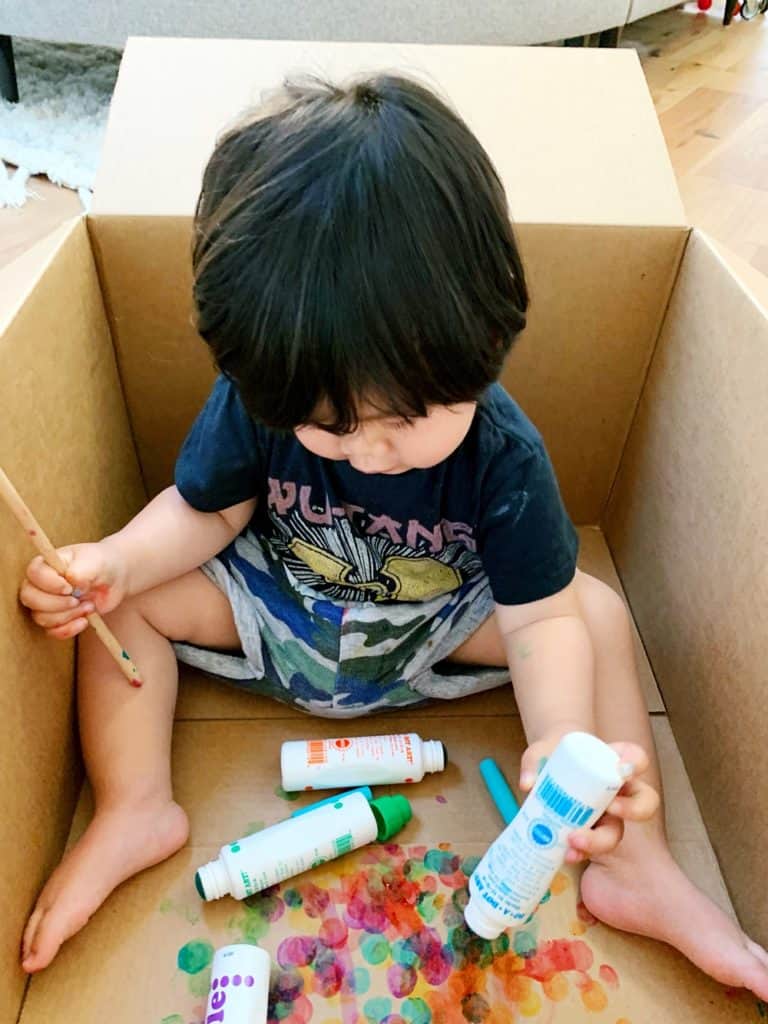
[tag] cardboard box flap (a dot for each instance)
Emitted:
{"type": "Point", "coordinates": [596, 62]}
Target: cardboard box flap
{"type": "Point", "coordinates": [19, 278]}
{"type": "Point", "coordinates": [688, 530]}
{"type": "Point", "coordinates": [583, 145]}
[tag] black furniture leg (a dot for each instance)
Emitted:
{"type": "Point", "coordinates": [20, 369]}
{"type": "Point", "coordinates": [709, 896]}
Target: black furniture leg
{"type": "Point", "coordinates": [609, 37]}
{"type": "Point", "coordinates": [730, 6]}
{"type": "Point", "coordinates": [9, 88]}
{"type": "Point", "coordinates": [574, 41]}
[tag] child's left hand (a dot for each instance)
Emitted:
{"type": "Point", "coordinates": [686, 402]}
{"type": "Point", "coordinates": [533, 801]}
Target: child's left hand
{"type": "Point", "coordinates": [635, 801]}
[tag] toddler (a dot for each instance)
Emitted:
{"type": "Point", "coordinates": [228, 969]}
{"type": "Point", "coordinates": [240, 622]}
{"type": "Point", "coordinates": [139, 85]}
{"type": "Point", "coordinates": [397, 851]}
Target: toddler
{"type": "Point", "coordinates": [362, 519]}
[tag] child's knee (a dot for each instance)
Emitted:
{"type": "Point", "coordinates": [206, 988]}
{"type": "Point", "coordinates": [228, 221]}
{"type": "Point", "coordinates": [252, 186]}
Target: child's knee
{"type": "Point", "coordinates": [604, 610]}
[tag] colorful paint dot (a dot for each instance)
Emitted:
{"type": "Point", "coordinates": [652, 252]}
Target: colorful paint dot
{"type": "Point", "coordinates": [593, 996]}
{"type": "Point", "coordinates": [292, 898]}
{"type": "Point", "coordinates": [194, 956]}
{"type": "Point", "coordinates": [359, 981]}
{"type": "Point", "coordinates": [608, 976]}
{"type": "Point", "coordinates": [524, 944]}
{"type": "Point", "coordinates": [559, 884]}
{"type": "Point", "coordinates": [125, 655]}
{"type": "Point", "coordinates": [375, 948]}
{"type": "Point", "coordinates": [225, 981]}
{"type": "Point", "coordinates": [377, 1009]}
{"type": "Point", "coordinates": [234, 848]}
{"type": "Point", "coordinates": [297, 951]}
{"type": "Point", "coordinates": [401, 980]}
{"type": "Point", "coordinates": [248, 981]}
{"type": "Point", "coordinates": [279, 791]}
{"type": "Point", "coordinates": [441, 799]}
{"type": "Point", "coordinates": [556, 988]}
{"type": "Point", "coordinates": [475, 1008]}
{"type": "Point", "coordinates": [333, 932]}
{"type": "Point", "coordinates": [215, 984]}
{"type": "Point", "coordinates": [578, 928]}
{"type": "Point", "coordinates": [416, 1011]}
{"type": "Point", "coordinates": [469, 864]}
{"type": "Point", "coordinates": [175, 1018]}
{"type": "Point", "coordinates": [236, 980]}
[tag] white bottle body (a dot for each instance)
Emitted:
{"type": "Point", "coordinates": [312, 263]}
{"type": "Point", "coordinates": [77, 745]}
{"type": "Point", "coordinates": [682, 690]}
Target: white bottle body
{"type": "Point", "coordinates": [575, 787]}
{"type": "Point", "coordinates": [358, 760]}
{"type": "Point", "coordinates": [290, 847]}
{"type": "Point", "coordinates": [239, 991]}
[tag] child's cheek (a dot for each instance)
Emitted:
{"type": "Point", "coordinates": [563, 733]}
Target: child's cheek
{"type": "Point", "coordinates": [319, 442]}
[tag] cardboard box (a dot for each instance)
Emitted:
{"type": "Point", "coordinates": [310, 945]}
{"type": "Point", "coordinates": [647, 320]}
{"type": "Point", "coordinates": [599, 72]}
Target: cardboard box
{"type": "Point", "coordinates": [645, 366]}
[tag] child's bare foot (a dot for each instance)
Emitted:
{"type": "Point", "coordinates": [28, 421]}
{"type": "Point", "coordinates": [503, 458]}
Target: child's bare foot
{"type": "Point", "coordinates": [651, 896]}
{"type": "Point", "coordinates": [118, 843]}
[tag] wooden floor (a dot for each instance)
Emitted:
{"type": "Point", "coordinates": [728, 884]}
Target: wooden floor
{"type": "Point", "coordinates": [710, 87]}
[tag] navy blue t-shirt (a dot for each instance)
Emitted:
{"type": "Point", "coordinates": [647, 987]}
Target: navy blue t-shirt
{"type": "Point", "coordinates": [492, 506]}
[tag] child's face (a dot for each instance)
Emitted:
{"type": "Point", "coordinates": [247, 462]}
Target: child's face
{"type": "Point", "coordinates": [383, 443]}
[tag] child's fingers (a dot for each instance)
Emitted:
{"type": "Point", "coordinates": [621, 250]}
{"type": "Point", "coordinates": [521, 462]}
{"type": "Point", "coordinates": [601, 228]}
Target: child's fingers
{"type": "Point", "coordinates": [636, 801]}
{"type": "Point", "coordinates": [632, 753]}
{"type": "Point", "coordinates": [42, 576]}
{"type": "Point", "coordinates": [69, 630]}
{"type": "Point", "coordinates": [43, 601]}
{"type": "Point", "coordinates": [592, 842]}
{"type": "Point", "coordinates": [53, 620]}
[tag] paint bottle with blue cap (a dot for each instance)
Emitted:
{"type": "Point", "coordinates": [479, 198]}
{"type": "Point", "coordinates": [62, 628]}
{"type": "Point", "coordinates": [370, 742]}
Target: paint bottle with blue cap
{"type": "Point", "coordinates": [577, 784]}
{"type": "Point", "coordinates": [304, 841]}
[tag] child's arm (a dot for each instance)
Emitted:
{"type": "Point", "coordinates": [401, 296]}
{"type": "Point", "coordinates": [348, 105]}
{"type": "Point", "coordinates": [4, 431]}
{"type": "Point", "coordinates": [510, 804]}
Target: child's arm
{"type": "Point", "coordinates": [551, 661]}
{"type": "Point", "coordinates": [165, 540]}
{"type": "Point", "coordinates": [168, 538]}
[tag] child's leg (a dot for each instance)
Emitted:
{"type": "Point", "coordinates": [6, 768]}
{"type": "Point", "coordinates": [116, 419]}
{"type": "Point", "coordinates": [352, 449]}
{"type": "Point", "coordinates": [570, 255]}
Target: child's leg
{"type": "Point", "coordinates": [126, 740]}
{"type": "Point", "coordinates": [639, 888]}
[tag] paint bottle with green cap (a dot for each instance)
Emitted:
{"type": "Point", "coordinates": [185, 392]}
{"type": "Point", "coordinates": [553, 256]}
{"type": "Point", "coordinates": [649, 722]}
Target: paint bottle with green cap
{"type": "Point", "coordinates": [299, 843]}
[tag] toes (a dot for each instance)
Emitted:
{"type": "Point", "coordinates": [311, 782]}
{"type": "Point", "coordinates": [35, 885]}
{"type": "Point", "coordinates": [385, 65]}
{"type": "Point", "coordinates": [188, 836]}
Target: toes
{"type": "Point", "coordinates": [30, 930]}
{"type": "Point", "coordinates": [757, 951]}
{"type": "Point", "coordinates": [54, 928]}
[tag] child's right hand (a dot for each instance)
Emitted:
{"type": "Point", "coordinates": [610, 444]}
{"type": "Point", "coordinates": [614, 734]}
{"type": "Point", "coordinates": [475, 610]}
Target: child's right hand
{"type": "Point", "coordinates": [95, 572]}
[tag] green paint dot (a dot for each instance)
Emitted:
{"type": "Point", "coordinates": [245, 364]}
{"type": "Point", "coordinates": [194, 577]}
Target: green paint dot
{"type": "Point", "coordinates": [415, 1011]}
{"type": "Point", "coordinates": [200, 983]}
{"type": "Point", "coordinates": [283, 1010]}
{"type": "Point", "coordinates": [361, 981]}
{"type": "Point", "coordinates": [292, 898]}
{"type": "Point", "coordinates": [279, 791]}
{"type": "Point", "coordinates": [338, 806]}
{"type": "Point", "coordinates": [234, 848]}
{"type": "Point", "coordinates": [125, 655]}
{"type": "Point", "coordinates": [524, 944]}
{"type": "Point", "coordinates": [175, 1018]}
{"type": "Point", "coordinates": [500, 945]}
{"type": "Point", "coordinates": [374, 948]}
{"type": "Point", "coordinates": [194, 956]}
{"type": "Point", "coordinates": [377, 1009]}
{"type": "Point", "coordinates": [426, 906]}
{"type": "Point", "coordinates": [469, 864]}
{"type": "Point", "coordinates": [404, 953]}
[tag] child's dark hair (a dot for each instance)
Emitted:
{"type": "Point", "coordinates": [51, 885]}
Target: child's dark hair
{"type": "Point", "coordinates": [355, 244]}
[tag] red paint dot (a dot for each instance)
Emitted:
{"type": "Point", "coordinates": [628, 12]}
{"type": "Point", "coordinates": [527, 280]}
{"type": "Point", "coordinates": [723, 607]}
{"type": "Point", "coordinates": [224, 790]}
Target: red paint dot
{"type": "Point", "coordinates": [136, 682]}
{"type": "Point", "coordinates": [409, 780]}
{"type": "Point", "coordinates": [308, 789]}
{"type": "Point", "coordinates": [33, 533]}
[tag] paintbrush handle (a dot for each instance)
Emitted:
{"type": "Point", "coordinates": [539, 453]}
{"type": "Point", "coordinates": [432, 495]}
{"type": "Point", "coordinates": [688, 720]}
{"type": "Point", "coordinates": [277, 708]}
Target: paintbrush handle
{"type": "Point", "coordinates": [40, 539]}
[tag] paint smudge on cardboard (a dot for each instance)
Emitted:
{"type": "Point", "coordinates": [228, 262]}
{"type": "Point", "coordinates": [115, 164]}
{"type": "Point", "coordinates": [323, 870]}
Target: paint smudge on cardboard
{"type": "Point", "coordinates": [380, 938]}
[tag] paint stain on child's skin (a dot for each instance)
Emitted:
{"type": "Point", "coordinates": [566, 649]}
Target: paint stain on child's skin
{"type": "Point", "coordinates": [279, 791]}
{"type": "Point", "coordinates": [441, 799]}
{"type": "Point", "coordinates": [381, 939]}
{"type": "Point", "coordinates": [175, 1018]}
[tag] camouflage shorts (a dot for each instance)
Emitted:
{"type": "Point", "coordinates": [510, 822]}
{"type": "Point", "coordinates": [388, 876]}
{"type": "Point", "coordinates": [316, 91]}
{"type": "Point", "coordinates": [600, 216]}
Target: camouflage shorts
{"type": "Point", "coordinates": [335, 658]}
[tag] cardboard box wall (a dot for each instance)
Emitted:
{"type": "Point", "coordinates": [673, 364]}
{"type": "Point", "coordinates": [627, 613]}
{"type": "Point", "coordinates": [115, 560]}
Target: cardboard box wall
{"type": "Point", "coordinates": [97, 368]}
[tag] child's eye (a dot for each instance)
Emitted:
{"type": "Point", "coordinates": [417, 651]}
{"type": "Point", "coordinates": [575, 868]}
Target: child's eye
{"type": "Point", "coordinates": [400, 424]}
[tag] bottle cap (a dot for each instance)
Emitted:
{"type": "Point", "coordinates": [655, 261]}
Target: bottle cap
{"type": "Point", "coordinates": [391, 814]}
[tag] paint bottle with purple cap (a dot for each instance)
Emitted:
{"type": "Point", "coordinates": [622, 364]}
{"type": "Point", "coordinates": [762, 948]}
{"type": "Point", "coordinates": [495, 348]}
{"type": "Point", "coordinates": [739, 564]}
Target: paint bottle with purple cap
{"type": "Point", "coordinates": [239, 991]}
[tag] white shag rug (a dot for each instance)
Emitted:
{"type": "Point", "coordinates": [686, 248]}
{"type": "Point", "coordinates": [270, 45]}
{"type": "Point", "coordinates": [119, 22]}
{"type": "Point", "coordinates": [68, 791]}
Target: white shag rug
{"type": "Point", "coordinates": [57, 127]}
